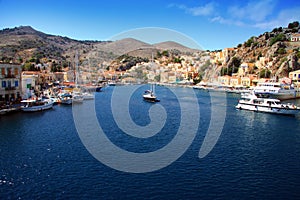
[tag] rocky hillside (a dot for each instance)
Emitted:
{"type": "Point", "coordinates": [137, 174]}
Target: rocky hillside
{"type": "Point", "coordinates": [271, 54]}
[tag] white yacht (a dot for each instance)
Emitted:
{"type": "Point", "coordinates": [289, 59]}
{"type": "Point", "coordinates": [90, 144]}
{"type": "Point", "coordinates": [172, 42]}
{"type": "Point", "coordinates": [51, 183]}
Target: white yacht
{"type": "Point", "coordinates": [277, 90]}
{"type": "Point", "coordinates": [253, 103]}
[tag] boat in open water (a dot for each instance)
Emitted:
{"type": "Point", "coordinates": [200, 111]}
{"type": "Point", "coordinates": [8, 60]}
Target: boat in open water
{"type": "Point", "coordinates": [150, 96]}
{"type": "Point", "coordinates": [251, 102]}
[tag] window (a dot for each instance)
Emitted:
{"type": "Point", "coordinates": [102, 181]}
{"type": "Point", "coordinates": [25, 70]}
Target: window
{"type": "Point", "coordinates": [16, 71]}
{"type": "Point", "coordinates": [16, 83]}
{"type": "Point", "coordinates": [3, 84]}
{"type": "Point", "coordinates": [3, 71]}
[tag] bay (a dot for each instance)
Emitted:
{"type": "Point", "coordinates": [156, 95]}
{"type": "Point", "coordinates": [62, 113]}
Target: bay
{"type": "Point", "coordinates": [256, 156]}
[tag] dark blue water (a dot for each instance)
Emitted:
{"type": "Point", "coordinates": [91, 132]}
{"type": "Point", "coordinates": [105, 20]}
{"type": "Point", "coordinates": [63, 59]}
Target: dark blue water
{"type": "Point", "coordinates": [256, 156]}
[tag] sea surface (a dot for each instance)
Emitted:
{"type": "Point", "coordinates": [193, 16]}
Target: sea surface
{"type": "Point", "coordinates": [256, 155]}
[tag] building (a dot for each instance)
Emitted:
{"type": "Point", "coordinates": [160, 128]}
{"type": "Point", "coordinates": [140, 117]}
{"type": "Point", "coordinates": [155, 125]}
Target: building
{"type": "Point", "coordinates": [295, 37]}
{"type": "Point", "coordinates": [295, 76]}
{"type": "Point", "coordinates": [31, 81]}
{"type": "Point", "coordinates": [10, 78]}
{"type": "Point", "coordinates": [235, 81]}
{"type": "Point", "coordinates": [224, 80]}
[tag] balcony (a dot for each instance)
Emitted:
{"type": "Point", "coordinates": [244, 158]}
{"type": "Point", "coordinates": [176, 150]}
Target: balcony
{"type": "Point", "coordinates": [10, 76]}
{"type": "Point", "coordinates": [10, 88]}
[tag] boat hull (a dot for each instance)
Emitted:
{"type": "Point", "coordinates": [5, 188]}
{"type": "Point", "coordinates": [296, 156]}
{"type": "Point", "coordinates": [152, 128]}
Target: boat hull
{"type": "Point", "coordinates": [66, 101]}
{"type": "Point", "coordinates": [149, 99]}
{"type": "Point", "coordinates": [38, 108]}
{"type": "Point", "coordinates": [268, 109]}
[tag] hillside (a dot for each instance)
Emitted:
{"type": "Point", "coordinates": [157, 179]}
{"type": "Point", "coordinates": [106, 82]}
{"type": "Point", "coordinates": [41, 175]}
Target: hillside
{"type": "Point", "coordinates": [271, 54]}
{"type": "Point", "coordinates": [23, 44]}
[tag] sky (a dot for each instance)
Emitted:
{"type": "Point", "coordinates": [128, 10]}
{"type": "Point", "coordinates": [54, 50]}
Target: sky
{"type": "Point", "coordinates": [210, 25]}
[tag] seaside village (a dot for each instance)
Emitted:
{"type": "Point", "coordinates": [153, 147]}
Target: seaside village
{"type": "Point", "coordinates": [18, 85]}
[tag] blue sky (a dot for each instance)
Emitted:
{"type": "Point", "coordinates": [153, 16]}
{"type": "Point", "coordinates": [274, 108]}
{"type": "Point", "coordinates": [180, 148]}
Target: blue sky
{"type": "Point", "coordinates": [212, 24]}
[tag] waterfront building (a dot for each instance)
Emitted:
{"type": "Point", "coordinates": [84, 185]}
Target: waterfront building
{"type": "Point", "coordinates": [224, 80]}
{"type": "Point", "coordinates": [31, 81]}
{"type": "Point", "coordinates": [295, 76]}
{"type": "Point", "coordinates": [10, 78]}
{"type": "Point", "coordinates": [235, 81]}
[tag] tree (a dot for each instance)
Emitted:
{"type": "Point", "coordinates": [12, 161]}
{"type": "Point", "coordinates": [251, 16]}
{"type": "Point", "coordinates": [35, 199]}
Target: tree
{"type": "Point", "coordinates": [165, 53]}
{"type": "Point", "coordinates": [177, 60]}
{"type": "Point", "coordinates": [157, 78]}
{"type": "Point", "coordinates": [279, 37]}
{"type": "Point", "coordinates": [249, 42]}
{"type": "Point", "coordinates": [294, 24]}
{"type": "Point", "coordinates": [197, 79]}
{"type": "Point", "coordinates": [265, 73]}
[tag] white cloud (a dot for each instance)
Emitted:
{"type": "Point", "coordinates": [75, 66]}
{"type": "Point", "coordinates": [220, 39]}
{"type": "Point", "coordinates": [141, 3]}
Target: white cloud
{"type": "Point", "coordinates": [254, 10]}
{"type": "Point", "coordinates": [205, 10]}
{"type": "Point", "coordinates": [259, 14]}
{"type": "Point", "coordinates": [222, 20]}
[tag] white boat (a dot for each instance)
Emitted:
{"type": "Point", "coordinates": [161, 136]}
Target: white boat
{"type": "Point", "coordinates": [33, 105]}
{"type": "Point", "coordinates": [253, 103]}
{"type": "Point", "coordinates": [65, 98]}
{"type": "Point", "coordinates": [77, 97]}
{"type": "Point", "coordinates": [277, 90]}
{"type": "Point", "coordinates": [88, 96]}
{"type": "Point", "coordinates": [149, 95]}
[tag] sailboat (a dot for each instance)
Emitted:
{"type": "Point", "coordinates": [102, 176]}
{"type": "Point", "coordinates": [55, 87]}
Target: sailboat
{"type": "Point", "coordinates": [150, 96]}
{"type": "Point", "coordinates": [87, 95]}
{"type": "Point", "coordinates": [77, 96]}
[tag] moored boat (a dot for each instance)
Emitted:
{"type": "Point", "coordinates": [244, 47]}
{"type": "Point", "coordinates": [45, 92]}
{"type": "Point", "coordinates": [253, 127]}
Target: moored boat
{"type": "Point", "coordinates": [65, 98]}
{"type": "Point", "coordinates": [33, 105]}
{"type": "Point", "coordinates": [253, 103]}
{"type": "Point", "coordinates": [277, 90]}
{"type": "Point", "coordinates": [77, 96]}
{"type": "Point", "coordinates": [88, 96]}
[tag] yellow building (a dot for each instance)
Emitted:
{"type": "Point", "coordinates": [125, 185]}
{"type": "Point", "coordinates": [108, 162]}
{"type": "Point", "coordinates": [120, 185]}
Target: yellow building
{"type": "Point", "coordinates": [295, 76]}
{"type": "Point", "coordinates": [224, 80]}
{"type": "Point", "coordinates": [235, 81]}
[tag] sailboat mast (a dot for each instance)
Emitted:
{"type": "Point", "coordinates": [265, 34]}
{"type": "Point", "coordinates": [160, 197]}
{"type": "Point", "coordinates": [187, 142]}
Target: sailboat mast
{"type": "Point", "coordinates": [76, 69]}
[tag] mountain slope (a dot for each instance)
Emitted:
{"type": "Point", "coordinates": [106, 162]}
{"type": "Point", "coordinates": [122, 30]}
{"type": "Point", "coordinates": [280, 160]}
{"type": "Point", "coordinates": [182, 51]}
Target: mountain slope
{"type": "Point", "coordinates": [24, 43]}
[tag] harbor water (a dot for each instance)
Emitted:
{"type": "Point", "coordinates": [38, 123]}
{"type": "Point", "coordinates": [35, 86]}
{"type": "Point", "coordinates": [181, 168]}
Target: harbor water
{"type": "Point", "coordinates": [256, 155]}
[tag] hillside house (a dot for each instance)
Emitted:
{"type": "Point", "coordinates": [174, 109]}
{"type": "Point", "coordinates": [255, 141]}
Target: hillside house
{"type": "Point", "coordinates": [295, 37]}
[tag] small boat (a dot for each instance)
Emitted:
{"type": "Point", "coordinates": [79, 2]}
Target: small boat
{"type": "Point", "coordinates": [88, 96]}
{"type": "Point", "coordinates": [77, 97]}
{"type": "Point", "coordinates": [33, 105]}
{"type": "Point", "coordinates": [149, 95]}
{"type": "Point", "coordinates": [65, 98]}
{"type": "Point", "coordinates": [253, 103]}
